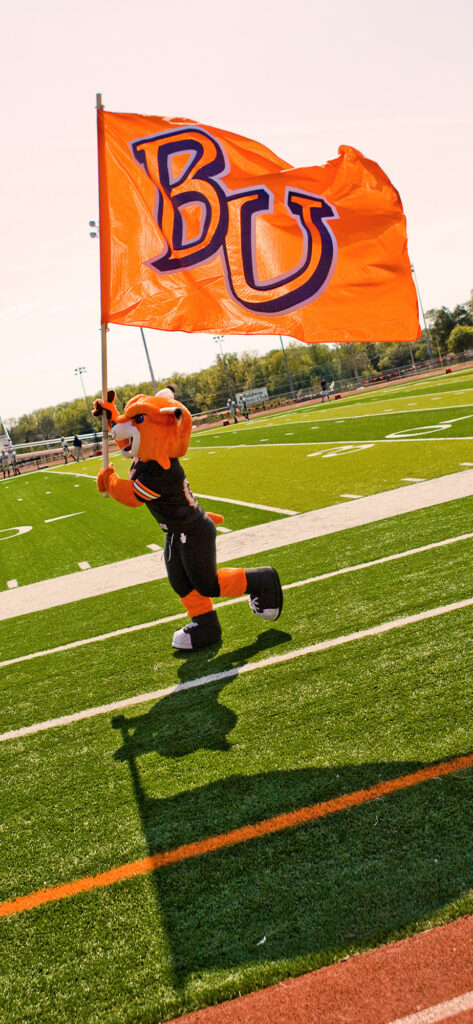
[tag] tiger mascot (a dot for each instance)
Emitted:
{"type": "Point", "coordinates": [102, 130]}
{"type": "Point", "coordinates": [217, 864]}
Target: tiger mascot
{"type": "Point", "coordinates": [154, 432]}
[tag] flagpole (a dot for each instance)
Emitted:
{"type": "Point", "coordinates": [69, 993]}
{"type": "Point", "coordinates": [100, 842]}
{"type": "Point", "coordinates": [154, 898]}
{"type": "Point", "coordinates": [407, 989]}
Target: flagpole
{"type": "Point", "coordinates": [103, 329]}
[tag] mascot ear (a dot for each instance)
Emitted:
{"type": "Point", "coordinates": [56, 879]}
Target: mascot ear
{"type": "Point", "coordinates": [172, 411]}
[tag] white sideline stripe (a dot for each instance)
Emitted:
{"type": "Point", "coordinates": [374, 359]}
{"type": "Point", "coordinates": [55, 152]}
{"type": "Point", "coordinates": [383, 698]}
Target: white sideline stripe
{"type": "Point", "coordinates": [235, 600]}
{"type": "Point", "coordinates": [321, 522]}
{"type": "Point", "coordinates": [63, 472]}
{"type": "Point", "coordinates": [326, 418]}
{"type": "Point", "coordinates": [68, 516]}
{"type": "Point", "coordinates": [212, 497]}
{"type": "Point", "coordinates": [100, 637]}
{"type": "Point", "coordinates": [252, 666]}
{"type": "Point", "coordinates": [348, 440]}
{"type": "Point", "coordinates": [305, 444]}
{"type": "Point", "coordinates": [440, 1012]}
{"type": "Point", "coordinates": [247, 504]}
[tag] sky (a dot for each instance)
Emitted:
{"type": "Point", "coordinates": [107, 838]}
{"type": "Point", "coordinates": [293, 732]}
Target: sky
{"type": "Point", "coordinates": [394, 80]}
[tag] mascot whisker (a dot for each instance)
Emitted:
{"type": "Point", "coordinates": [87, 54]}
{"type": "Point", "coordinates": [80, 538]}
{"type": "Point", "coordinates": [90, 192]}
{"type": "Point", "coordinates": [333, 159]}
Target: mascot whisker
{"type": "Point", "coordinates": [154, 432]}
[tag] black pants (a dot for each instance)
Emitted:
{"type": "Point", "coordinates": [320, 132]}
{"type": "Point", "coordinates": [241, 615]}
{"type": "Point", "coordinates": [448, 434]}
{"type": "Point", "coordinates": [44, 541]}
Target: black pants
{"type": "Point", "coordinates": [190, 557]}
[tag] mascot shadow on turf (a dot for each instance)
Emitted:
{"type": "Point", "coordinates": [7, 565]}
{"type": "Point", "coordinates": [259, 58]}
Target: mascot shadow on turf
{"type": "Point", "coordinates": [197, 720]}
{"type": "Point", "coordinates": [304, 895]}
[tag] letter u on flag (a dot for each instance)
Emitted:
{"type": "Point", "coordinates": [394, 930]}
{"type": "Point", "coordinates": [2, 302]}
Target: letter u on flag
{"type": "Point", "coordinates": [202, 230]}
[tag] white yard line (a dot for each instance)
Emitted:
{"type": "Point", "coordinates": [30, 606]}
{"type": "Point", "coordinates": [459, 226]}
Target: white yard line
{"type": "Point", "coordinates": [246, 504]}
{"type": "Point", "coordinates": [440, 1012]}
{"type": "Point", "coordinates": [310, 444]}
{"type": "Point", "coordinates": [241, 543]}
{"type": "Point", "coordinates": [326, 418]}
{"type": "Point", "coordinates": [62, 472]}
{"type": "Point", "coordinates": [254, 666]}
{"type": "Point", "coordinates": [212, 497]}
{"type": "Point", "coordinates": [235, 600]}
{"type": "Point", "coordinates": [68, 516]}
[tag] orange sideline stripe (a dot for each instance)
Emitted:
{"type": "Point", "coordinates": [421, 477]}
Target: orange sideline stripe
{"type": "Point", "coordinates": [237, 835]}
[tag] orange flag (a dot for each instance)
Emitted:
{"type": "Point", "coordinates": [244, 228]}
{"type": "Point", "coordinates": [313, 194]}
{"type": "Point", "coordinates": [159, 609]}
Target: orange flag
{"type": "Point", "coordinates": [202, 230]}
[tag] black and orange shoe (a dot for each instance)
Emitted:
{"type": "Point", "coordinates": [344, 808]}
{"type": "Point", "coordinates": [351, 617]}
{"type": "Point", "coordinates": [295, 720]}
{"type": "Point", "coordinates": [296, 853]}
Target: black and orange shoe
{"type": "Point", "coordinates": [265, 593]}
{"type": "Point", "coordinates": [202, 631]}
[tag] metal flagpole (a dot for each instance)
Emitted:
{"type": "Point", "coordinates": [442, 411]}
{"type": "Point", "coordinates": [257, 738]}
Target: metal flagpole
{"type": "Point", "coordinates": [103, 331]}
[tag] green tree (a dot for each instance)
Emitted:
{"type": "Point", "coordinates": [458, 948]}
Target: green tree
{"type": "Point", "coordinates": [394, 354]}
{"type": "Point", "coordinates": [460, 339]}
{"type": "Point", "coordinates": [442, 322]}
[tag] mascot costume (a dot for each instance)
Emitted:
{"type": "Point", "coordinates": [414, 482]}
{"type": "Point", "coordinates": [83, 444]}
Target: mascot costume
{"type": "Point", "coordinates": [154, 431]}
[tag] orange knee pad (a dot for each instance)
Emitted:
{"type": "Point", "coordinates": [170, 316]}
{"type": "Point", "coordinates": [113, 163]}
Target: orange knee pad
{"type": "Point", "coordinates": [195, 604]}
{"type": "Point", "coordinates": [232, 582]}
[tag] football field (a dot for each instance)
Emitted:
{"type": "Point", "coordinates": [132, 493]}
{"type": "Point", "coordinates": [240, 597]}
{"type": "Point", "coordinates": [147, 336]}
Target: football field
{"type": "Point", "coordinates": [179, 829]}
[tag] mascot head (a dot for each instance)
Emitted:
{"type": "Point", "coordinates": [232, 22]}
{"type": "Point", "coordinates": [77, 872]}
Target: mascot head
{"type": "Point", "coordinates": [153, 427]}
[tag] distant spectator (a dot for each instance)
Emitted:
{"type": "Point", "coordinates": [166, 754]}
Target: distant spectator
{"type": "Point", "coordinates": [65, 449]}
{"type": "Point", "coordinates": [232, 408]}
{"type": "Point", "coordinates": [14, 462]}
{"type": "Point", "coordinates": [5, 464]}
{"type": "Point", "coordinates": [77, 443]}
{"type": "Point", "coordinates": [324, 392]}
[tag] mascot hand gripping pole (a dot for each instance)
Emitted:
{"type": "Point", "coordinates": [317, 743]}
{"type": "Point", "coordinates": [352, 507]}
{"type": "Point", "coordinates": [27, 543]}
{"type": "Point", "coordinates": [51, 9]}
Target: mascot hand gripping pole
{"type": "Point", "coordinates": [154, 432]}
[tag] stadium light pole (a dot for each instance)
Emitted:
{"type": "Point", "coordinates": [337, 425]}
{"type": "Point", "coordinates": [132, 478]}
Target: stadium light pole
{"type": "Point", "coordinates": [288, 372]}
{"type": "Point", "coordinates": [218, 338]}
{"type": "Point", "coordinates": [79, 371]}
{"type": "Point", "coordinates": [95, 233]}
{"type": "Point", "coordinates": [155, 386]}
{"type": "Point", "coordinates": [427, 332]}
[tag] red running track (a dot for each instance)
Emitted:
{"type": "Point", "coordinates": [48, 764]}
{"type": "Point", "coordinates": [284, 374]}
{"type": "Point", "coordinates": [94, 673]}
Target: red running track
{"type": "Point", "coordinates": [426, 979]}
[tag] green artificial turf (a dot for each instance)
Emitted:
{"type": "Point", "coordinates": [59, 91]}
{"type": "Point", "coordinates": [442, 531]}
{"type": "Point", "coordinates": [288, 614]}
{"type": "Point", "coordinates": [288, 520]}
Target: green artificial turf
{"type": "Point", "coordinates": [87, 797]}
{"type": "Point", "coordinates": [80, 799]}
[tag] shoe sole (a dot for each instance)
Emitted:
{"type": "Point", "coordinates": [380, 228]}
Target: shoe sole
{"type": "Point", "coordinates": [201, 647]}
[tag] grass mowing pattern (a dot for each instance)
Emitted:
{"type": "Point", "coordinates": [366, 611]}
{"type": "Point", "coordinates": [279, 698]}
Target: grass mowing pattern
{"type": "Point", "coordinates": [81, 799]}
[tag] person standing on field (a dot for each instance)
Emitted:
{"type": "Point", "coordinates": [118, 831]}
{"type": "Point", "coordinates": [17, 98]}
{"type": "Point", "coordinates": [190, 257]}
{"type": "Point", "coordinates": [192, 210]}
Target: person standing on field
{"type": "Point", "coordinates": [78, 448]}
{"type": "Point", "coordinates": [65, 450]}
{"type": "Point", "coordinates": [14, 462]}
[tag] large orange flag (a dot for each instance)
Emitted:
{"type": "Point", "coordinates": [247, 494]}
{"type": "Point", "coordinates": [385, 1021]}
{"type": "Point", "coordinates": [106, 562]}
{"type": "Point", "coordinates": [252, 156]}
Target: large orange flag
{"type": "Point", "coordinates": [203, 230]}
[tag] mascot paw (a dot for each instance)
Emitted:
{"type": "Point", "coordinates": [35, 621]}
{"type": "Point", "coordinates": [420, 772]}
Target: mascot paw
{"type": "Point", "coordinates": [108, 407]}
{"type": "Point", "coordinates": [103, 478]}
{"type": "Point", "coordinates": [203, 631]}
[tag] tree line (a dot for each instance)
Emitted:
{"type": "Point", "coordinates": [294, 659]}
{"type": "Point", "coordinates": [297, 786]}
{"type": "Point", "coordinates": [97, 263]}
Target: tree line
{"type": "Point", "coordinates": [448, 331]}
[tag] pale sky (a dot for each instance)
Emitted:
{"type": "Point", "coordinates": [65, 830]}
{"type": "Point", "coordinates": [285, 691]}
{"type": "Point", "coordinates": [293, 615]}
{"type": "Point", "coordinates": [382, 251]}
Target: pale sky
{"type": "Point", "coordinates": [303, 77]}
